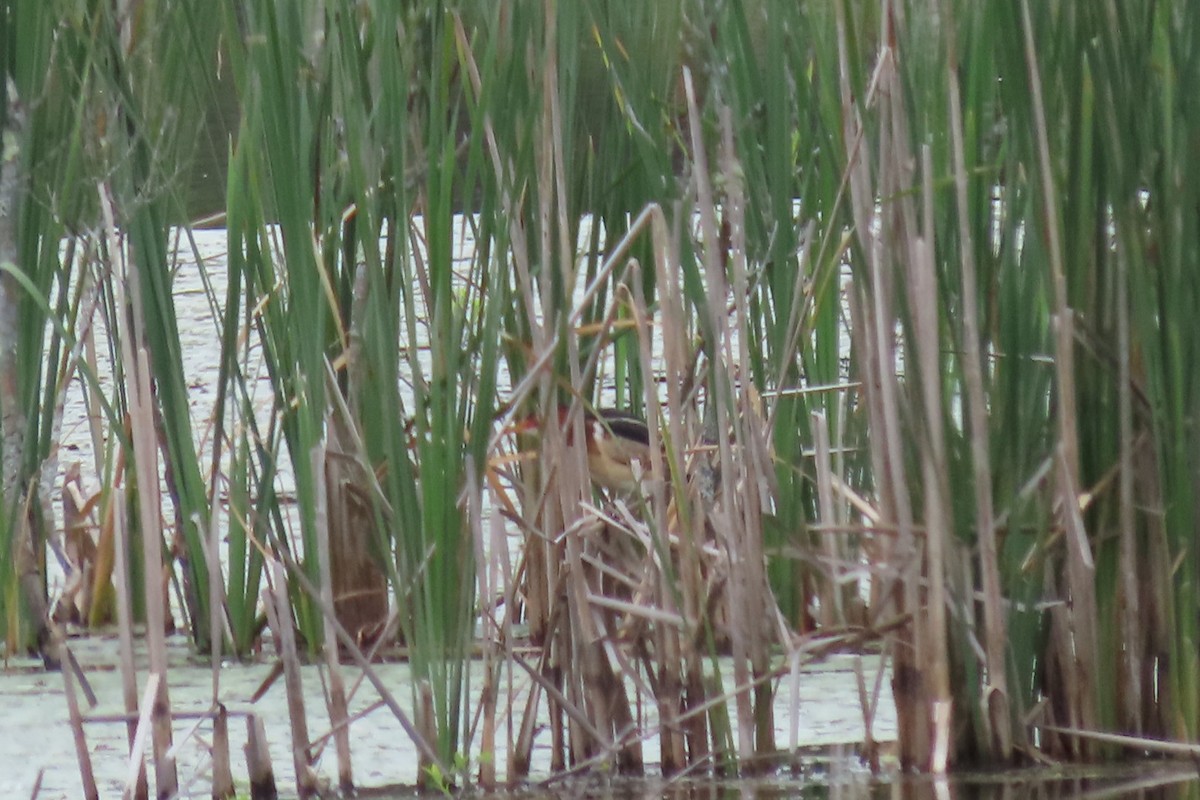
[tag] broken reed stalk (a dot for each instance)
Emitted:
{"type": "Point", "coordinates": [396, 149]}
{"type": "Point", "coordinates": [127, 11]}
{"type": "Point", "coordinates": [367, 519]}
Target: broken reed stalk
{"type": "Point", "coordinates": [922, 287]}
{"type": "Point", "coordinates": [832, 609]}
{"type": "Point", "coordinates": [1078, 651]}
{"type": "Point", "coordinates": [258, 760]}
{"type": "Point", "coordinates": [145, 453]}
{"type": "Point", "coordinates": [591, 685]}
{"type": "Point", "coordinates": [336, 701]}
{"type": "Point", "coordinates": [129, 690]}
{"type": "Point", "coordinates": [279, 615]}
{"type": "Point", "coordinates": [873, 322]}
{"type": "Point", "coordinates": [136, 766]}
{"type": "Point", "coordinates": [757, 470]}
{"type": "Point", "coordinates": [998, 717]}
{"type": "Point", "coordinates": [483, 569]}
{"type": "Point", "coordinates": [87, 776]}
{"type": "Point", "coordinates": [216, 600]}
{"type": "Point", "coordinates": [685, 516]}
{"type": "Point", "coordinates": [669, 687]}
{"type": "Point", "coordinates": [723, 515]}
{"type": "Point", "coordinates": [222, 779]}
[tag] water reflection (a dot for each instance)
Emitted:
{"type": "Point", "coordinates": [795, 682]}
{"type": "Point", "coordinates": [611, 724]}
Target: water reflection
{"type": "Point", "coordinates": [1144, 781]}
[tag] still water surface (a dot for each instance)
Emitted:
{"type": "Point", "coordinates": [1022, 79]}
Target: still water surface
{"type": "Point", "coordinates": [37, 734]}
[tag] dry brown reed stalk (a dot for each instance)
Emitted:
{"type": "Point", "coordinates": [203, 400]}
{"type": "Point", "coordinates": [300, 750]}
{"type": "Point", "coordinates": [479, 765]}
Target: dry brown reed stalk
{"type": "Point", "coordinates": [830, 592]}
{"type": "Point", "coordinates": [279, 616]}
{"type": "Point", "coordinates": [672, 641]}
{"type": "Point", "coordinates": [538, 554]}
{"type": "Point", "coordinates": [145, 452]}
{"type": "Point", "coordinates": [491, 631]}
{"type": "Point", "coordinates": [336, 703]}
{"type": "Point", "coordinates": [757, 470]}
{"type": "Point", "coordinates": [1130, 623]}
{"type": "Point", "coordinates": [922, 287]}
{"type": "Point", "coordinates": [222, 780]}
{"type": "Point", "coordinates": [578, 664]}
{"type": "Point", "coordinates": [216, 599]}
{"type": "Point", "coordinates": [592, 684]}
{"type": "Point", "coordinates": [258, 760]}
{"type": "Point", "coordinates": [124, 604]}
{"type": "Point", "coordinates": [352, 497]}
{"type": "Point", "coordinates": [737, 517]}
{"type": "Point", "coordinates": [872, 313]}
{"type": "Point", "coordinates": [135, 771]}
{"type": "Point", "coordinates": [1077, 643]}
{"type": "Point", "coordinates": [996, 703]}
{"type": "Point", "coordinates": [685, 518]}
{"type": "Point", "coordinates": [87, 776]}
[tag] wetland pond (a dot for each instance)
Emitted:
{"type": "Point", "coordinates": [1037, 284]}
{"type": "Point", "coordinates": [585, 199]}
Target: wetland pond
{"type": "Point", "coordinates": [819, 714]}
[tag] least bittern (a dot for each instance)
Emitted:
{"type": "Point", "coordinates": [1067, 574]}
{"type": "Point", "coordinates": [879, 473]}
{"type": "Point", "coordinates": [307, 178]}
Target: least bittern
{"type": "Point", "coordinates": [618, 446]}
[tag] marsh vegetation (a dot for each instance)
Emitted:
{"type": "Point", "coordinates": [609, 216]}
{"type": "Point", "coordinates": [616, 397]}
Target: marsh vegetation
{"type": "Point", "coordinates": [904, 293]}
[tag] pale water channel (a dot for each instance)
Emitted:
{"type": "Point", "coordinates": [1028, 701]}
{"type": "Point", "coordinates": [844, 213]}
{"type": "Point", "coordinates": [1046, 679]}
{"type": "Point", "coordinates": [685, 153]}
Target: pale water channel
{"type": "Point", "coordinates": [37, 736]}
{"type": "Point", "coordinates": [36, 746]}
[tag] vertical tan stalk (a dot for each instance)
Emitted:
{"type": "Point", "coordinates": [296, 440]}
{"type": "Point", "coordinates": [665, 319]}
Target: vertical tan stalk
{"type": "Point", "coordinates": [222, 781]}
{"type": "Point", "coordinates": [669, 693]}
{"type": "Point", "coordinates": [339, 716]}
{"type": "Point", "coordinates": [1130, 622]}
{"type": "Point", "coordinates": [145, 453]}
{"type": "Point", "coordinates": [756, 470]}
{"type": "Point", "coordinates": [578, 652]}
{"type": "Point", "coordinates": [86, 775]}
{"type": "Point", "coordinates": [724, 516]}
{"type": "Point", "coordinates": [490, 631]}
{"type": "Point", "coordinates": [222, 786]}
{"type": "Point", "coordinates": [689, 525]}
{"type": "Point", "coordinates": [996, 695]}
{"type": "Point", "coordinates": [279, 615]}
{"type": "Point", "coordinates": [1080, 569]}
{"type": "Point", "coordinates": [129, 689]}
{"type": "Point", "coordinates": [605, 695]}
{"type": "Point", "coordinates": [136, 765]}
{"type": "Point", "coordinates": [540, 562]}
{"type": "Point", "coordinates": [874, 310]}
{"type": "Point", "coordinates": [922, 286]}
{"type": "Point", "coordinates": [216, 600]}
{"type": "Point", "coordinates": [832, 611]}
{"type": "Point", "coordinates": [258, 760]}
{"type": "Point", "coordinates": [894, 182]}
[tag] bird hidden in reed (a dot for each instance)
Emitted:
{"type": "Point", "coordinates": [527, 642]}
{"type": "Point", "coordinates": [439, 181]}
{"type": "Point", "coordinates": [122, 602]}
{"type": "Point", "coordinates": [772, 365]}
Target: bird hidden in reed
{"type": "Point", "coordinates": [618, 446]}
